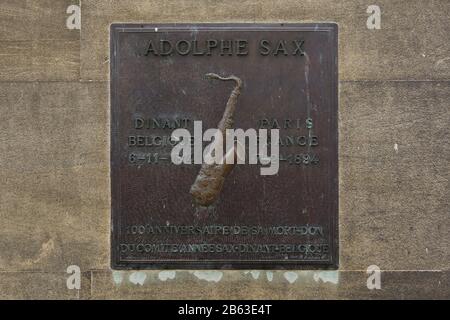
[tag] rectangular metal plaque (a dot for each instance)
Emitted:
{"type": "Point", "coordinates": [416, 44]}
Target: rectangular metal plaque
{"type": "Point", "coordinates": [159, 83]}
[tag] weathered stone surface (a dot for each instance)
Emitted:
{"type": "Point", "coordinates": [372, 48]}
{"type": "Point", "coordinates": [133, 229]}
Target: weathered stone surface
{"type": "Point", "coordinates": [266, 285]}
{"type": "Point", "coordinates": [394, 152]}
{"type": "Point", "coordinates": [42, 285]}
{"type": "Point", "coordinates": [394, 157]}
{"type": "Point", "coordinates": [35, 43]}
{"type": "Point", "coordinates": [54, 199]}
{"type": "Point", "coordinates": [39, 60]}
{"type": "Point", "coordinates": [411, 43]}
{"type": "Point", "coordinates": [40, 20]}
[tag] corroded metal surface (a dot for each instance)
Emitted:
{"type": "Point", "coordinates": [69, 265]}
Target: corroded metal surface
{"type": "Point", "coordinates": [289, 75]}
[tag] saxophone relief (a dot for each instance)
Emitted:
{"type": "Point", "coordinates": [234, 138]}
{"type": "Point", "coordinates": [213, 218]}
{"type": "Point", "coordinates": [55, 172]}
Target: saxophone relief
{"type": "Point", "coordinates": [216, 162]}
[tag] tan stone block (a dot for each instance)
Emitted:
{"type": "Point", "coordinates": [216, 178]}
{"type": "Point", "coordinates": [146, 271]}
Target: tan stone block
{"type": "Point", "coordinates": [32, 60]}
{"type": "Point", "coordinates": [35, 43]}
{"type": "Point", "coordinates": [394, 173]}
{"type": "Point", "coordinates": [411, 43]}
{"type": "Point", "coordinates": [257, 284]}
{"type": "Point", "coordinates": [395, 285]}
{"type": "Point", "coordinates": [94, 60]}
{"type": "Point", "coordinates": [225, 285]}
{"type": "Point", "coordinates": [54, 199]}
{"type": "Point", "coordinates": [209, 284]}
{"type": "Point", "coordinates": [41, 285]}
{"type": "Point", "coordinates": [37, 20]}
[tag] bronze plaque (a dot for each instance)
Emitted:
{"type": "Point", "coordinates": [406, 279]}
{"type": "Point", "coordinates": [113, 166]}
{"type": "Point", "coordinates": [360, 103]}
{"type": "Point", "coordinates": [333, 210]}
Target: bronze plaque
{"type": "Point", "coordinates": [278, 77]}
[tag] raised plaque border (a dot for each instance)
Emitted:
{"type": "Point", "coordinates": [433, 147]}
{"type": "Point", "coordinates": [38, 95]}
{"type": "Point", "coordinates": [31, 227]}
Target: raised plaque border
{"type": "Point", "coordinates": [116, 263]}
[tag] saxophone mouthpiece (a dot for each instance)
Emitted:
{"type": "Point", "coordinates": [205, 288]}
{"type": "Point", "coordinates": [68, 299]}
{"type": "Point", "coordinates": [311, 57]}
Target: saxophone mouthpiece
{"type": "Point", "coordinates": [218, 77]}
{"type": "Point", "coordinates": [212, 76]}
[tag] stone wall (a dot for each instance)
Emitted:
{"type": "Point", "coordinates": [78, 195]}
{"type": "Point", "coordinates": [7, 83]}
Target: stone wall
{"type": "Point", "coordinates": [394, 151]}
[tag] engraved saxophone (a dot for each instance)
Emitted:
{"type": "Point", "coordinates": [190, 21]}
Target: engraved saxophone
{"type": "Point", "coordinates": [209, 181]}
